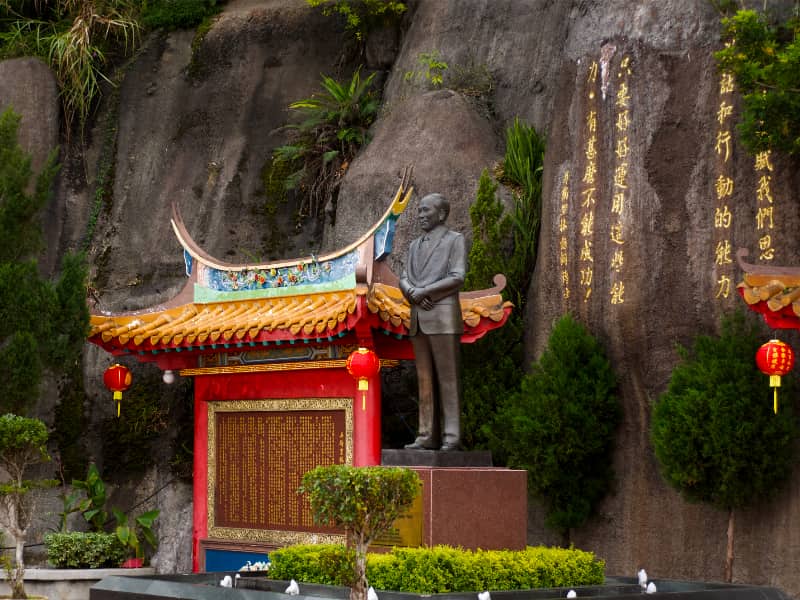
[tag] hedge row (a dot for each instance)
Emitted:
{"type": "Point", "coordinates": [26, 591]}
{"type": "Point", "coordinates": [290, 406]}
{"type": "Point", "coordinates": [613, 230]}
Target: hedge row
{"type": "Point", "coordinates": [442, 568]}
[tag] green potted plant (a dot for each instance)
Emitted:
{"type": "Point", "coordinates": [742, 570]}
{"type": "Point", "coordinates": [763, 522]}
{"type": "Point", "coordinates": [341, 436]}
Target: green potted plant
{"type": "Point", "coordinates": [93, 505]}
{"type": "Point", "coordinates": [129, 534]}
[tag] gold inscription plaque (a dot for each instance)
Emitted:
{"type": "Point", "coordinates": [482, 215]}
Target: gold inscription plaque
{"type": "Point", "coordinates": [258, 453]}
{"type": "Point", "coordinates": [407, 529]}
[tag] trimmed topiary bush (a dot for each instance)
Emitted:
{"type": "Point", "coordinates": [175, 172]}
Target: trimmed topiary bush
{"type": "Point", "coordinates": [78, 550]}
{"type": "Point", "coordinates": [364, 501]}
{"type": "Point", "coordinates": [23, 444]}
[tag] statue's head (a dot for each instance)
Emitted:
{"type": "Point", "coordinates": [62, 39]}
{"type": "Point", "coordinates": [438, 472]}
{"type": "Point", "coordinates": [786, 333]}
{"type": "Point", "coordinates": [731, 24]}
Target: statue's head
{"type": "Point", "coordinates": [432, 211]}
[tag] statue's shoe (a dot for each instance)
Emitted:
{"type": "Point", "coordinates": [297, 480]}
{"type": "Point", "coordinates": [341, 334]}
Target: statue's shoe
{"type": "Point", "coordinates": [421, 444]}
{"type": "Point", "coordinates": [451, 446]}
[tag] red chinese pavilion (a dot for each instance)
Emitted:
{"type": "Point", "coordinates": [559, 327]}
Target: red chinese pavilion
{"type": "Point", "coordinates": [267, 345]}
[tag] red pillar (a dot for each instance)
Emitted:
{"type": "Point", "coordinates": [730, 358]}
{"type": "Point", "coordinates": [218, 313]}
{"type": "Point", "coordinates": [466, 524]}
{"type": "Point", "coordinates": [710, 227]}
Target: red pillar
{"type": "Point", "coordinates": [200, 480]}
{"type": "Point", "coordinates": [366, 404]}
{"type": "Point", "coordinates": [367, 424]}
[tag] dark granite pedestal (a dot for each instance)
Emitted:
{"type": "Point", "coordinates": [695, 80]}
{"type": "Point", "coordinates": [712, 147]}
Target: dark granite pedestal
{"type": "Point", "coordinates": [465, 501]}
{"type": "Point", "coordinates": [435, 458]}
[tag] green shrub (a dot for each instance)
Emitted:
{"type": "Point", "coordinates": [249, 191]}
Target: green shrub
{"type": "Point", "coordinates": [77, 550]}
{"type": "Point", "coordinates": [560, 427]}
{"type": "Point", "coordinates": [177, 14]}
{"type": "Point", "coordinates": [364, 501]}
{"type": "Point", "coordinates": [714, 432]}
{"type": "Point", "coordinates": [329, 564]}
{"type": "Point", "coordinates": [425, 571]}
{"type": "Point", "coordinates": [444, 569]}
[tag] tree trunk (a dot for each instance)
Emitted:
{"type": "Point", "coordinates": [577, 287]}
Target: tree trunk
{"type": "Point", "coordinates": [359, 589]}
{"type": "Point", "coordinates": [729, 552]}
{"type": "Point", "coordinates": [18, 580]}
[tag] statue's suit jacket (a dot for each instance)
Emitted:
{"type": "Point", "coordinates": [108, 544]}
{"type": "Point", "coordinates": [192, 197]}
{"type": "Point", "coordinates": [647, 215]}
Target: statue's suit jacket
{"type": "Point", "coordinates": [438, 265]}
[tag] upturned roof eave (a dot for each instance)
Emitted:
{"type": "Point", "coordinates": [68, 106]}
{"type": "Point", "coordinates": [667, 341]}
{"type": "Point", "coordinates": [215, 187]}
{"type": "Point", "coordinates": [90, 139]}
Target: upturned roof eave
{"type": "Point", "coordinates": [772, 291]}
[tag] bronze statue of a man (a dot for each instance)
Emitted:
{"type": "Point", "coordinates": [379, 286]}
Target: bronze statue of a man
{"type": "Point", "coordinates": [435, 270]}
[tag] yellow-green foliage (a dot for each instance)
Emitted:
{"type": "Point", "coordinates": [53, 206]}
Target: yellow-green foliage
{"type": "Point", "coordinates": [362, 16]}
{"type": "Point", "coordinates": [445, 569]}
{"type": "Point", "coordinates": [764, 59]}
{"type": "Point", "coordinates": [329, 564]}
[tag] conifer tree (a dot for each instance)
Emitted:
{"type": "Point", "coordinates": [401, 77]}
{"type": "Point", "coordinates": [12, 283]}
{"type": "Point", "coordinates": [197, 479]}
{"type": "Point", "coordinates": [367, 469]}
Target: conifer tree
{"type": "Point", "coordinates": [560, 427]}
{"type": "Point", "coordinates": [714, 432]}
{"type": "Point", "coordinates": [502, 242]}
{"type": "Point", "coordinates": [487, 382]}
{"type": "Point", "coordinates": [43, 323]}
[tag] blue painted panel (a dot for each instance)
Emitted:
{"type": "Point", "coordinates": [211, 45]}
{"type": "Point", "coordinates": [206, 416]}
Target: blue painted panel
{"type": "Point", "coordinates": [231, 560]}
{"type": "Point", "coordinates": [275, 279]}
{"type": "Point", "coordinates": [187, 258]}
{"type": "Point", "coordinates": [384, 237]}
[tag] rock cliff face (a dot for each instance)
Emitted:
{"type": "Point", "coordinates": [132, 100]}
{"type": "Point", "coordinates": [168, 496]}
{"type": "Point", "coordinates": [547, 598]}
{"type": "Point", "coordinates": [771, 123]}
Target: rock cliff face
{"type": "Point", "coordinates": [628, 96]}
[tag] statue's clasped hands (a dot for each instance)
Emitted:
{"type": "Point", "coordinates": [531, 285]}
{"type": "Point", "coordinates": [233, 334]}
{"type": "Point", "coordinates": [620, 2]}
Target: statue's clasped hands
{"type": "Point", "coordinates": [421, 299]}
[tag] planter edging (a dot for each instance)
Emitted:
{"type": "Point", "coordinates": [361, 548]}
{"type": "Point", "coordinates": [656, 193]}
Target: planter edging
{"type": "Point", "coordinates": [36, 574]}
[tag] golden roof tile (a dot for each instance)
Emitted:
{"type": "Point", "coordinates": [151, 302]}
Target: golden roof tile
{"type": "Point", "coordinates": [389, 304]}
{"type": "Point", "coordinates": [773, 291]}
{"type": "Point", "coordinates": [313, 314]}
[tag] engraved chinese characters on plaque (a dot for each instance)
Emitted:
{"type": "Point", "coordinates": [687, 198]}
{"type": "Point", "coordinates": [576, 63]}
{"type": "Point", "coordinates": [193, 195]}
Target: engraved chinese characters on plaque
{"type": "Point", "coordinates": [261, 458]}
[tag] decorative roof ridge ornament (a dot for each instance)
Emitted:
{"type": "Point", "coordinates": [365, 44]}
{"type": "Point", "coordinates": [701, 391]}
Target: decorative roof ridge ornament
{"type": "Point", "coordinates": [319, 301]}
{"type": "Point", "coordinates": [398, 205]}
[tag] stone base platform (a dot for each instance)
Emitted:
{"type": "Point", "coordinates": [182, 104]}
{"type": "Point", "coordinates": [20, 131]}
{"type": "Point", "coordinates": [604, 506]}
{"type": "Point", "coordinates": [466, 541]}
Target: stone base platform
{"type": "Point", "coordinates": [435, 458]}
{"type": "Point", "coordinates": [460, 504]}
{"type": "Point", "coordinates": [69, 584]}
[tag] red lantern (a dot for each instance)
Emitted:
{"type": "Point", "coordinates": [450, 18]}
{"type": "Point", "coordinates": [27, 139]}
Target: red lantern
{"type": "Point", "coordinates": [775, 358]}
{"type": "Point", "coordinates": [117, 379]}
{"type": "Point", "coordinates": [363, 364]}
